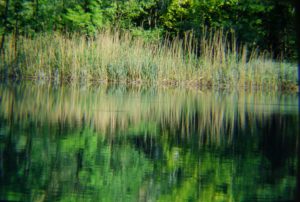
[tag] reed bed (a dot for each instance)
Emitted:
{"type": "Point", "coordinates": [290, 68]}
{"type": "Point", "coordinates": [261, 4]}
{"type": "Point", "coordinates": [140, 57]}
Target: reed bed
{"type": "Point", "coordinates": [212, 61]}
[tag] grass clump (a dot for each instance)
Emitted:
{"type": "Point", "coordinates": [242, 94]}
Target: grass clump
{"type": "Point", "coordinates": [213, 61]}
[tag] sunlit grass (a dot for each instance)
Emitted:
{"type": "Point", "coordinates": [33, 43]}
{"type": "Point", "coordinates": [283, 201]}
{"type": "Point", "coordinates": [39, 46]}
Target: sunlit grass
{"type": "Point", "coordinates": [212, 61]}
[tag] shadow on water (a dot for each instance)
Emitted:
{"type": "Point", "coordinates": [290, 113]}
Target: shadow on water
{"type": "Point", "coordinates": [108, 143]}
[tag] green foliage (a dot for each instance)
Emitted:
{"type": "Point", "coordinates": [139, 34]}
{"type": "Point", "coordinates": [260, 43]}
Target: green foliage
{"type": "Point", "coordinates": [152, 35]}
{"type": "Point", "coordinates": [177, 14]}
{"type": "Point", "coordinates": [86, 18]}
{"type": "Point", "coordinates": [267, 25]}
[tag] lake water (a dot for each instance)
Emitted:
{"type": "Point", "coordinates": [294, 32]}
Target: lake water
{"type": "Point", "coordinates": [138, 143]}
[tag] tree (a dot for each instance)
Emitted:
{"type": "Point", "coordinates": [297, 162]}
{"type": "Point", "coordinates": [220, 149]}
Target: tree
{"type": "Point", "coordinates": [86, 17]}
{"type": "Point", "coordinates": [4, 26]}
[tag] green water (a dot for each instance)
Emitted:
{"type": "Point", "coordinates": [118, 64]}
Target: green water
{"type": "Point", "coordinates": [122, 143]}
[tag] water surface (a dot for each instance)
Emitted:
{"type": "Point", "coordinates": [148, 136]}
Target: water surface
{"type": "Point", "coordinates": [122, 143]}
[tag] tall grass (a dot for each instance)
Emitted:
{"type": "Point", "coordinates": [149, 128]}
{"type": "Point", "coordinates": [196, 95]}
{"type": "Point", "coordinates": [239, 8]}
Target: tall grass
{"type": "Point", "coordinates": [214, 60]}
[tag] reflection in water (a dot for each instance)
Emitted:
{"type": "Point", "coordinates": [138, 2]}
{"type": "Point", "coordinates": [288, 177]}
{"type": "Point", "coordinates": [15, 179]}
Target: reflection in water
{"type": "Point", "coordinates": [113, 143]}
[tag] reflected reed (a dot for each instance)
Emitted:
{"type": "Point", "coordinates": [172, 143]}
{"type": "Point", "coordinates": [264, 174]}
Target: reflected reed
{"type": "Point", "coordinates": [213, 116]}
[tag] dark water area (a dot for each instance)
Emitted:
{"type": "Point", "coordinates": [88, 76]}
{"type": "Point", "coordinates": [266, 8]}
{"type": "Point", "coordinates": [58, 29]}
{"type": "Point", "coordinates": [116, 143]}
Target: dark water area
{"type": "Point", "coordinates": [136, 143]}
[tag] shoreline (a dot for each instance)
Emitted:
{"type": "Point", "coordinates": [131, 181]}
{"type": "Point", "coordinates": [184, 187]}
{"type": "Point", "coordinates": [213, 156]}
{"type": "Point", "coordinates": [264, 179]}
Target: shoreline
{"type": "Point", "coordinates": [159, 84]}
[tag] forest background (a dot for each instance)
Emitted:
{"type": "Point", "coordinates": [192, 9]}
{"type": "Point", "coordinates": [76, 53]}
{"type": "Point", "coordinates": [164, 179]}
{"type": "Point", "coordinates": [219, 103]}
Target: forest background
{"type": "Point", "coordinates": [263, 24]}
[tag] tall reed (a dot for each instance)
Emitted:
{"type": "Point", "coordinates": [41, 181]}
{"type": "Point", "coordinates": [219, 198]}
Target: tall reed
{"type": "Point", "coordinates": [213, 60]}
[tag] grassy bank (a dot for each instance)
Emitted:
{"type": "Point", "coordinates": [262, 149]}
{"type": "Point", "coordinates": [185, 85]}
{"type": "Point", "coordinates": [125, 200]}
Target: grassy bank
{"type": "Point", "coordinates": [110, 56]}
